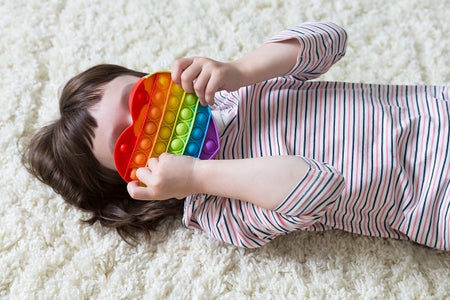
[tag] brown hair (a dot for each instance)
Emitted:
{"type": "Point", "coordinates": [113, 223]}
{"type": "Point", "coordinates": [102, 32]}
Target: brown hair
{"type": "Point", "coordinates": [60, 155]}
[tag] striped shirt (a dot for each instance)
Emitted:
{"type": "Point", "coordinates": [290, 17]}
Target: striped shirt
{"type": "Point", "coordinates": [378, 155]}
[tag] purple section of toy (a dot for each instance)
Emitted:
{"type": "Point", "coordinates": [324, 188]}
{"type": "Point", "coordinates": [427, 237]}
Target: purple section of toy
{"type": "Point", "coordinates": [211, 145]}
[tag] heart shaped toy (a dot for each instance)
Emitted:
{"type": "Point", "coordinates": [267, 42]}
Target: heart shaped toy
{"type": "Point", "coordinates": [165, 119]}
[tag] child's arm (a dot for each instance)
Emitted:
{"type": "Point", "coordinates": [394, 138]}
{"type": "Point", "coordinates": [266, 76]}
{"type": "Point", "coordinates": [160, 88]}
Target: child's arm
{"type": "Point", "coordinates": [205, 76]}
{"type": "Point", "coordinates": [306, 51]}
{"type": "Point", "coordinates": [264, 181]}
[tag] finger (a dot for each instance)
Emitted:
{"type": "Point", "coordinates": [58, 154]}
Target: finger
{"type": "Point", "coordinates": [190, 75]}
{"type": "Point", "coordinates": [152, 163]}
{"type": "Point", "coordinates": [210, 91]}
{"type": "Point", "coordinates": [144, 175]}
{"type": "Point", "coordinates": [166, 155]}
{"type": "Point", "coordinates": [203, 102]}
{"type": "Point", "coordinates": [178, 67]}
{"type": "Point", "coordinates": [200, 85]}
{"type": "Point", "coordinates": [138, 192]}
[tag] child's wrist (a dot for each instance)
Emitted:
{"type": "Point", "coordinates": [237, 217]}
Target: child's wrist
{"type": "Point", "coordinates": [243, 71]}
{"type": "Point", "coordinates": [198, 176]}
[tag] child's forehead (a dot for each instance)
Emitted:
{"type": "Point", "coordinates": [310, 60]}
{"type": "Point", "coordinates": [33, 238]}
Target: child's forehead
{"type": "Point", "coordinates": [120, 86]}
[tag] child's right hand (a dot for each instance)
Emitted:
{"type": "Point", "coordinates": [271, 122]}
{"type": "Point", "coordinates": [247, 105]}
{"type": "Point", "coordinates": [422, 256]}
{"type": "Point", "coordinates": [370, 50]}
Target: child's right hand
{"type": "Point", "coordinates": [205, 77]}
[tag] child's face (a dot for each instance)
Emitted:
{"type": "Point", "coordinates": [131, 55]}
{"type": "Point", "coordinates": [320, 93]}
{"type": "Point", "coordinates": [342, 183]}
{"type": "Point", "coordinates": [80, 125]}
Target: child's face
{"type": "Point", "coordinates": [113, 117]}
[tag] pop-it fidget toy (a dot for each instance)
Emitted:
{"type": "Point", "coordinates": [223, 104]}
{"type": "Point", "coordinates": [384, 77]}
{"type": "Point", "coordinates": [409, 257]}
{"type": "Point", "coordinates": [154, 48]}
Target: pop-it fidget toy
{"type": "Point", "coordinates": [165, 119]}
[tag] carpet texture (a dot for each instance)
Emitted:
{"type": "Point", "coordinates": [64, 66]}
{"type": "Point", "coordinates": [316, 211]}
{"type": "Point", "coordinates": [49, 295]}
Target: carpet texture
{"type": "Point", "coordinates": [46, 253]}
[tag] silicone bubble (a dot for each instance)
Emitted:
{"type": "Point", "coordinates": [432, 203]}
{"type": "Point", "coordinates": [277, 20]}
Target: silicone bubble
{"type": "Point", "coordinates": [165, 119]}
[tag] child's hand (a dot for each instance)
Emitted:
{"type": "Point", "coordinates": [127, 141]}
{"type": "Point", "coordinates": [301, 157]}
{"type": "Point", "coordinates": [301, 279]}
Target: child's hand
{"type": "Point", "coordinates": [205, 77]}
{"type": "Point", "coordinates": [168, 176]}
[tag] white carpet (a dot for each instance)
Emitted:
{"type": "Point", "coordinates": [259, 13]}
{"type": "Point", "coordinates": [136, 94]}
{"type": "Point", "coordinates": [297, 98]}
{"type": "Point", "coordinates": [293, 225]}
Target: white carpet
{"type": "Point", "coordinates": [45, 253]}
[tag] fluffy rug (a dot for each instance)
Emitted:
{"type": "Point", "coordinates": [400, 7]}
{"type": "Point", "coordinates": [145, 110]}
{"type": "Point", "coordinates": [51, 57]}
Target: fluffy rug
{"type": "Point", "coordinates": [46, 253]}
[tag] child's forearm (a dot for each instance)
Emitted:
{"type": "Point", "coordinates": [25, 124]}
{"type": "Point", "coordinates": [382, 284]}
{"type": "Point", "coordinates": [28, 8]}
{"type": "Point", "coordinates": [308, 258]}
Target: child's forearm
{"type": "Point", "coordinates": [317, 48]}
{"type": "Point", "coordinates": [264, 181]}
{"type": "Point", "coordinates": [268, 61]}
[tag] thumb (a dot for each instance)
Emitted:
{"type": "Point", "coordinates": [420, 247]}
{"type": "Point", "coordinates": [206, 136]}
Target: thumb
{"type": "Point", "coordinates": [138, 192]}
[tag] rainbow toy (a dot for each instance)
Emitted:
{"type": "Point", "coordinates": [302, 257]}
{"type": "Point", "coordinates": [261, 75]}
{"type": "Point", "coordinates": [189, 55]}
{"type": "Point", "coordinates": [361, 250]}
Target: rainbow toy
{"type": "Point", "coordinates": [165, 119]}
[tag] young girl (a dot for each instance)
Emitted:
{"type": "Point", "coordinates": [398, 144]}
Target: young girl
{"type": "Point", "coordinates": [295, 155]}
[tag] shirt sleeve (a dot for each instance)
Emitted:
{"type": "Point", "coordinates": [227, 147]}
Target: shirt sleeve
{"type": "Point", "coordinates": [321, 45]}
{"type": "Point", "coordinates": [246, 225]}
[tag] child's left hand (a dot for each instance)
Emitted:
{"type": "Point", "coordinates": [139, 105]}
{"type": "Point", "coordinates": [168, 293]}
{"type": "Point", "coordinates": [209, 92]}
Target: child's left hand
{"type": "Point", "coordinates": [205, 77]}
{"type": "Point", "coordinates": [165, 177]}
